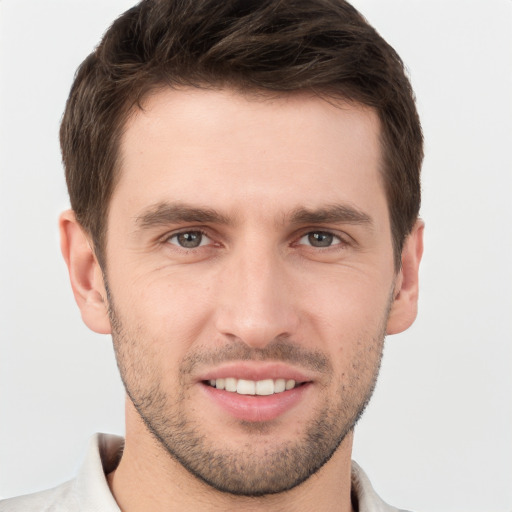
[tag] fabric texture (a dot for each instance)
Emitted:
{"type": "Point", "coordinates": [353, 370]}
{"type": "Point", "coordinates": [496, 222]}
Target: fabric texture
{"type": "Point", "coordinates": [89, 491]}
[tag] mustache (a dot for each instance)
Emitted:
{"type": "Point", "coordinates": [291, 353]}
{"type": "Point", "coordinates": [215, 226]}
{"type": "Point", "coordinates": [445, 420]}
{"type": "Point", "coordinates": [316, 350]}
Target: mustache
{"type": "Point", "coordinates": [279, 350]}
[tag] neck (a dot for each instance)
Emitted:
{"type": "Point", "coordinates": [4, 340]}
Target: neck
{"type": "Point", "coordinates": [148, 478]}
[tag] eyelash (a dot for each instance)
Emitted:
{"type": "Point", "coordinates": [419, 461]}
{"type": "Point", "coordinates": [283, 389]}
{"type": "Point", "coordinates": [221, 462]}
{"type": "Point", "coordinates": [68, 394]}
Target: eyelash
{"type": "Point", "coordinates": [200, 232]}
{"type": "Point", "coordinates": [322, 233]}
{"type": "Point", "coordinates": [341, 243]}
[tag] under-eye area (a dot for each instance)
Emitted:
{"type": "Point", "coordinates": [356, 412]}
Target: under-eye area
{"type": "Point", "coordinates": [251, 387]}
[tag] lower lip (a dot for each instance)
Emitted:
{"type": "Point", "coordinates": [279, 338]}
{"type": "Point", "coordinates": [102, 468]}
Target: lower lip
{"type": "Point", "coordinates": [256, 408]}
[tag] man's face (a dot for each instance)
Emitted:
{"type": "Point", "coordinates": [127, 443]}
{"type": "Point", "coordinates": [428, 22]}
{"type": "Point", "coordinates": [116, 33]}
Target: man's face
{"type": "Point", "coordinates": [249, 251]}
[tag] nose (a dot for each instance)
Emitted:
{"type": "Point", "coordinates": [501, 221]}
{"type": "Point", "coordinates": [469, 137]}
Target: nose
{"type": "Point", "coordinates": [255, 301]}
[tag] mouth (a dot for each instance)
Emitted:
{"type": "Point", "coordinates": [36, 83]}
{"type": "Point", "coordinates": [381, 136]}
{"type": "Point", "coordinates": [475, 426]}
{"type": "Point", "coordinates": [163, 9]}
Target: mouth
{"type": "Point", "coordinates": [263, 387]}
{"type": "Point", "coordinates": [257, 392]}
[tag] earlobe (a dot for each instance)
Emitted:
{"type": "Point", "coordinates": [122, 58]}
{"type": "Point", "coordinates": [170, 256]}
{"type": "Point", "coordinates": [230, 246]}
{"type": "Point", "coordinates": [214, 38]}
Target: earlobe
{"type": "Point", "coordinates": [405, 304]}
{"type": "Point", "coordinates": [84, 273]}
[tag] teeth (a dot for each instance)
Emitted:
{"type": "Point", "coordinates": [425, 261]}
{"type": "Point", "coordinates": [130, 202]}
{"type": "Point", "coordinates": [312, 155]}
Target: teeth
{"type": "Point", "coordinates": [279, 385]}
{"type": "Point", "coordinates": [246, 387]}
{"type": "Point", "coordinates": [230, 384]}
{"type": "Point", "coordinates": [265, 387]}
{"type": "Point", "coordinates": [290, 384]}
{"type": "Point", "coordinates": [251, 387]}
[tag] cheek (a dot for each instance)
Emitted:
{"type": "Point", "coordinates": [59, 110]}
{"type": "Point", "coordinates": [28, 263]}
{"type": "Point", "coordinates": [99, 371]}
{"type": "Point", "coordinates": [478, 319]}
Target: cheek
{"type": "Point", "coordinates": [348, 303]}
{"type": "Point", "coordinates": [168, 312]}
{"type": "Point", "coordinates": [348, 318]}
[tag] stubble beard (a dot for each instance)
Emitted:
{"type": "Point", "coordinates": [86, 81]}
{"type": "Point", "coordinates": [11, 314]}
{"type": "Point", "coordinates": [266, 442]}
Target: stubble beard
{"type": "Point", "coordinates": [245, 471]}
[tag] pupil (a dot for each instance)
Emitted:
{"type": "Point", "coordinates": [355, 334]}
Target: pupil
{"type": "Point", "coordinates": [190, 239]}
{"type": "Point", "coordinates": [320, 239]}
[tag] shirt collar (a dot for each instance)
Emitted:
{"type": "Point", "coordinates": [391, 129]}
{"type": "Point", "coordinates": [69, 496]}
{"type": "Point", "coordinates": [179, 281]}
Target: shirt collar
{"type": "Point", "coordinates": [104, 454]}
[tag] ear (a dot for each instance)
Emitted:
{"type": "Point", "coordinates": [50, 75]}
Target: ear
{"type": "Point", "coordinates": [405, 305]}
{"type": "Point", "coordinates": [84, 273]}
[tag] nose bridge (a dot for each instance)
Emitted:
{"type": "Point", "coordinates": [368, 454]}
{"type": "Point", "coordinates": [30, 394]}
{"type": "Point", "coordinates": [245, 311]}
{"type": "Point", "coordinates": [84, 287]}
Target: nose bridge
{"type": "Point", "coordinates": [254, 304]}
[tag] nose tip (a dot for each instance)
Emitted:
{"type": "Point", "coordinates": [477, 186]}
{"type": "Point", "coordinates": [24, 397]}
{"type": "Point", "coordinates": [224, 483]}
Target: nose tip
{"type": "Point", "coordinates": [256, 332]}
{"type": "Point", "coordinates": [256, 305]}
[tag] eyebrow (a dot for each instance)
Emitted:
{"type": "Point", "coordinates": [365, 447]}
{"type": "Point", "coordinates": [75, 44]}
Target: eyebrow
{"type": "Point", "coordinates": [169, 213]}
{"type": "Point", "coordinates": [344, 214]}
{"type": "Point", "coordinates": [165, 213]}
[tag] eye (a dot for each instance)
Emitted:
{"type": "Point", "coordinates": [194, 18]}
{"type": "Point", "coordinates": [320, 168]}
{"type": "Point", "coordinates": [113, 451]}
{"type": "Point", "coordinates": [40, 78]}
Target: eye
{"type": "Point", "coordinates": [189, 239]}
{"type": "Point", "coordinates": [320, 239]}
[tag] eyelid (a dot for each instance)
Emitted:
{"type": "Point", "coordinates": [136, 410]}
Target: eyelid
{"type": "Point", "coordinates": [343, 238]}
{"type": "Point", "coordinates": [337, 240]}
{"type": "Point", "coordinates": [169, 236]}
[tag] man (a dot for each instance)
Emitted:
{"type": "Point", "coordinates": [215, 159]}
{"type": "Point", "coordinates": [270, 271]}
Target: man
{"type": "Point", "coordinates": [244, 182]}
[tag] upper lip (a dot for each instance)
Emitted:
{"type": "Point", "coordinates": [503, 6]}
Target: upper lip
{"type": "Point", "coordinates": [250, 370]}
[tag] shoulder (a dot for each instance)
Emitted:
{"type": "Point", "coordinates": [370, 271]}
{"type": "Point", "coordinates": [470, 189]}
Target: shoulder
{"type": "Point", "coordinates": [88, 492]}
{"type": "Point", "coordinates": [58, 499]}
{"type": "Point", "coordinates": [364, 496]}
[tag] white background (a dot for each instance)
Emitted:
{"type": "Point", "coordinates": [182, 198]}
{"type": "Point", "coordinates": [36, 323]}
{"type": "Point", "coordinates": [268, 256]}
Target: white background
{"type": "Point", "coordinates": [438, 434]}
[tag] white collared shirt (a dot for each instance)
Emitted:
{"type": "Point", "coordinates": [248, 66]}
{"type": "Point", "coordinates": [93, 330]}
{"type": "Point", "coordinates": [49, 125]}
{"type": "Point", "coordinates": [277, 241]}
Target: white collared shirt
{"type": "Point", "coordinates": [89, 491]}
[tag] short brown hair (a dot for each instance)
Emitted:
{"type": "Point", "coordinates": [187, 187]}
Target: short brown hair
{"type": "Point", "coordinates": [322, 46]}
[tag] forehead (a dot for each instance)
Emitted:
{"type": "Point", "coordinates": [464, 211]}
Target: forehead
{"type": "Point", "coordinates": [222, 149]}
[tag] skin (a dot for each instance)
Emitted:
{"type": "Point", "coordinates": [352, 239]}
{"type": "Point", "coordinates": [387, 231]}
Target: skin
{"type": "Point", "coordinates": [277, 172]}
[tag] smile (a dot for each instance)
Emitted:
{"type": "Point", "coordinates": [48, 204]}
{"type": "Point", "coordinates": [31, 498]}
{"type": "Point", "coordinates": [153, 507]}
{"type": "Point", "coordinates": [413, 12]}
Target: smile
{"type": "Point", "coordinates": [251, 387]}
